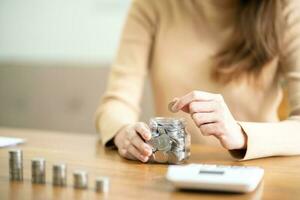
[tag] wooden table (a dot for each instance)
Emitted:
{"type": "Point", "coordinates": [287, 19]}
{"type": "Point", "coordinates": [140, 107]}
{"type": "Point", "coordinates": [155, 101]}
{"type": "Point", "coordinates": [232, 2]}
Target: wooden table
{"type": "Point", "coordinates": [130, 179]}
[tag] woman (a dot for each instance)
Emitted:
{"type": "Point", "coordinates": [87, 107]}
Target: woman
{"type": "Point", "coordinates": [222, 63]}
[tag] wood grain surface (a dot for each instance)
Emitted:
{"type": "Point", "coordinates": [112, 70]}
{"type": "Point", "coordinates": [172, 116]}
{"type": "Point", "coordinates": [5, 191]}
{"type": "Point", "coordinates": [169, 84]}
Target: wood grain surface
{"type": "Point", "coordinates": [130, 179]}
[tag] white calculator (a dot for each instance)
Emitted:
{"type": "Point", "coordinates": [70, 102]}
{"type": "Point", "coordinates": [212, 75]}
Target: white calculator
{"type": "Point", "coordinates": [215, 177]}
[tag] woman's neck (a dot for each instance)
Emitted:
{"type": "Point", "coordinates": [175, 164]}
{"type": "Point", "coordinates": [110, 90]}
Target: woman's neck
{"type": "Point", "coordinates": [220, 12]}
{"type": "Point", "coordinates": [223, 4]}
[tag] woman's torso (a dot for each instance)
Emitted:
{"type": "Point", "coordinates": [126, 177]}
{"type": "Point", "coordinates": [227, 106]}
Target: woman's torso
{"type": "Point", "coordinates": [188, 34]}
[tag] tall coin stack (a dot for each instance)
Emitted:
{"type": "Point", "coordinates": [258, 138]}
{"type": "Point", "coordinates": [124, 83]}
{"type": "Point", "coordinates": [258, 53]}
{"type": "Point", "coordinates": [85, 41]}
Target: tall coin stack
{"type": "Point", "coordinates": [59, 175]}
{"type": "Point", "coordinates": [170, 142]}
{"type": "Point", "coordinates": [16, 165]}
{"type": "Point", "coordinates": [80, 179]}
{"type": "Point", "coordinates": [38, 171]}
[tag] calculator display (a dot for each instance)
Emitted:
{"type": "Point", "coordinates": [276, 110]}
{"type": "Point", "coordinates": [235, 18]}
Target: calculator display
{"type": "Point", "coordinates": [214, 172]}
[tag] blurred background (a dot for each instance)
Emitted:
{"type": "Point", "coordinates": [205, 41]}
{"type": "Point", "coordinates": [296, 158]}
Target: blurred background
{"type": "Point", "coordinates": [54, 61]}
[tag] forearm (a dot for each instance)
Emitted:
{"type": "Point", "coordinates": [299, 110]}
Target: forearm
{"type": "Point", "coordinates": [111, 117]}
{"type": "Point", "coordinates": [270, 139]}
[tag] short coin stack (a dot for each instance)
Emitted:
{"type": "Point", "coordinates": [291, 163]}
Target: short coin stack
{"type": "Point", "coordinates": [38, 171]}
{"type": "Point", "coordinates": [59, 175]}
{"type": "Point", "coordinates": [16, 165]}
{"type": "Point", "coordinates": [80, 179]}
{"type": "Point", "coordinates": [102, 184]}
{"type": "Point", "coordinates": [170, 142]}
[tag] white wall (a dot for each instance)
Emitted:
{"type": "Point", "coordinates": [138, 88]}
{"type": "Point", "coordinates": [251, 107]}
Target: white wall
{"type": "Point", "coordinates": [61, 30]}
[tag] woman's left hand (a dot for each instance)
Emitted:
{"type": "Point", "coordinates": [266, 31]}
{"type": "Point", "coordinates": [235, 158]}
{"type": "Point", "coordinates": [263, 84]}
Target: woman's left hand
{"type": "Point", "coordinates": [211, 114]}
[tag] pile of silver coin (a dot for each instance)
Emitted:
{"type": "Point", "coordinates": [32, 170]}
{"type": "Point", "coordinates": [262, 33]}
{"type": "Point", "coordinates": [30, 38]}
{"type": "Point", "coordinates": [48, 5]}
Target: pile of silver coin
{"type": "Point", "coordinates": [102, 184]}
{"type": "Point", "coordinates": [59, 173]}
{"type": "Point", "coordinates": [59, 176]}
{"type": "Point", "coordinates": [38, 171]}
{"type": "Point", "coordinates": [16, 165]}
{"type": "Point", "coordinates": [80, 179]}
{"type": "Point", "coordinates": [170, 142]}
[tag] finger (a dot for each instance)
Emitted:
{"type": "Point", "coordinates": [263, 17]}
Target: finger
{"type": "Point", "coordinates": [193, 96]}
{"type": "Point", "coordinates": [202, 106]}
{"type": "Point", "coordinates": [139, 144]}
{"type": "Point", "coordinates": [210, 129]}
{"type": "Point", "coordinates": [124, 153]}
{"type": "Point", "coordinates": [133, 151]}
{"type": "Point", "coordinates": [130, 156]}
{"type": "Point", "coordinates": [143, 130]}
{"type": "Point", "coordinates": [205, 118]}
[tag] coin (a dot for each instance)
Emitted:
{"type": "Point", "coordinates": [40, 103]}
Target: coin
{"type": "Point", "coordinates": [151, 158]}
{"type": "Point", "coordinates": [80, 179]}
{"type": "Point", "coordinates": [173, 159]}
{"type": "Point", "coordinates": [161, 157]}
{"type": "Point", "coordinates": [59, 175]}
{"type": "Point", "coordinates": [38, 170]}
{"type": "Point", "coordinates": [15, 165]}
{"type": "Point", "coordinates": [161, 130]}
{"type": "Point", "coordinates": [170, 106]}
{"type": "Point", "coordinates": [164, 143]}
{"type": "Point", "coordinates": [102, 184]}
{"type": "Point", "coordinates": [154, 141]}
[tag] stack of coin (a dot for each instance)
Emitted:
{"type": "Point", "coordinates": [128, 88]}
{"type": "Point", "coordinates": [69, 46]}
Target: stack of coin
{"type": "Point", "coordinates": [80, 179]}
{"type": "Point", "coordinates": [38, 170]}
{"type": "Point", "coordinates": [59, 175]}
{"type": "Point", "coordinates": [102, 184]}
{"type": "Point", "coordinates": [16, 165]}
{"type": "Point", "coordinates": [170, 142]}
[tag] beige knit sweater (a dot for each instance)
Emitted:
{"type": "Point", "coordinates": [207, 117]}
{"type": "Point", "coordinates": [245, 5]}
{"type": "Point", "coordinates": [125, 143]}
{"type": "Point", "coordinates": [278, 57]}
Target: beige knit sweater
{"type": "Point", "coordinates": [173, 42]}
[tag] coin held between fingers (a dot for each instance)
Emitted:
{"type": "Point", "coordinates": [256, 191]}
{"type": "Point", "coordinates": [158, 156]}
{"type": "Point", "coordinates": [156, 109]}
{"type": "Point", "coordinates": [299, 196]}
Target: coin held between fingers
{"type": "Point", "coordinates": [171, 105]}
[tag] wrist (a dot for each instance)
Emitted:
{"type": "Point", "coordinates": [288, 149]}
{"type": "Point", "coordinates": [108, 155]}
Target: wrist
{"type": "Point", "coordinates": [116, 139]}
{"type": "Point", "coordinates": [244, 138]}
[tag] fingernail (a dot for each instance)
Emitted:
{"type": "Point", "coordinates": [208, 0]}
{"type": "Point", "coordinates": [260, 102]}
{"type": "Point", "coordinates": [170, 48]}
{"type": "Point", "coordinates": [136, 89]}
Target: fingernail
{"type": "Point", "coordinates": [143, 158]}
{"type": "Point", "coordinates": [148, 136]}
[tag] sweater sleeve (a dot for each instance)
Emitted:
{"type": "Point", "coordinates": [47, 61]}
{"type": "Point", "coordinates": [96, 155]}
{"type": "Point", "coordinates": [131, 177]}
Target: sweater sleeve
{"type": "Point", "coordinates": [280, 138]}
{"type": "Point", "coordinates": [119, 105]}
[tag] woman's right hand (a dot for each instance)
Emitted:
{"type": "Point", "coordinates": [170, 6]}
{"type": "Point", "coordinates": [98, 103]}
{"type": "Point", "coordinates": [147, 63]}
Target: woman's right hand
{"type": "Point", "coordinates": [130, 141]}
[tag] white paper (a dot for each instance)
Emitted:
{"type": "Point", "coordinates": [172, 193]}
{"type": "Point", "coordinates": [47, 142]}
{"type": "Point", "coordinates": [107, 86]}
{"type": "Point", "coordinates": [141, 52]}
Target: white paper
{"type": "Point", "coordinates": [9, 141]}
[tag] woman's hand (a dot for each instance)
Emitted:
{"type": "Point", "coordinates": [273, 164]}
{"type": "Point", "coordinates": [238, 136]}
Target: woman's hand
{"type": "Point", "coordinates": [211, 114]}
{"type": "Point", "coordinates": [130, 142]}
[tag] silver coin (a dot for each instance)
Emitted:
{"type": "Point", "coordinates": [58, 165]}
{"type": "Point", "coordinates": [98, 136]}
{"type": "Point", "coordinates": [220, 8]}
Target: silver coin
{"type": "Point", "coordinates": [154, 134]}
{"type": "Point", "coordinates": [179, 142]}
{"type": "Point", "coordinates": [15, 165]}
{"type": "Point", "coordinates": [161, 157]}
{"type": "Point", "coordinates": [161, 130]}
{"type": "Point", "coordinates": [59, 175]}
{"type": "Point", "coordinates": [172, 133]}
{"type": "Point", "coordinates": [151, 158]}
{"type": "Point", "coordinates": [102, 184]}
{"type": "Point", "coordinates": [153, 142]}
{"type": "Point", "coordinates": [38, 170]}
{"type": "Point", "coordinates": [164, 143]}
{"type": "Point", "coordinates": [80, 179]}
{"type": "Point", "coordinates": [172, 158]}
{"type": "Point", "coordinates": [177, 157]}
